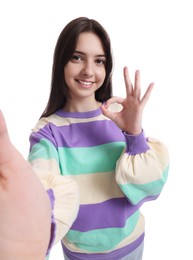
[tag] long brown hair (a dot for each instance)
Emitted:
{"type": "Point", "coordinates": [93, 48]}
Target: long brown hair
{"type": "Point", "coordinates": [64, 50]}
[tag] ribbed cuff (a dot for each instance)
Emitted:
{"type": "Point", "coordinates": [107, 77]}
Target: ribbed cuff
{"type": "Point", "coordinates": [136, 144]}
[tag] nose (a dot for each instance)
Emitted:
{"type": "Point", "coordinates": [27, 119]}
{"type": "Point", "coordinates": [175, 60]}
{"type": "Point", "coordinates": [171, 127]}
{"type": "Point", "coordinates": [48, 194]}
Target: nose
{"type": "Point", "coordinates": [88, 70]}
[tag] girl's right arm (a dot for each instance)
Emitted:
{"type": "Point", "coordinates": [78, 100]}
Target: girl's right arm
{"type": "Point", "coordinates": [62, 190]}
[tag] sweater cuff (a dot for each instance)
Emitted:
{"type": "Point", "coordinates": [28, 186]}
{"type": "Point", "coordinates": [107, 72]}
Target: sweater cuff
{"type": "Point", "coordinates": [136, 144]}
{"type": "Point", "coordinates": [53, 224]}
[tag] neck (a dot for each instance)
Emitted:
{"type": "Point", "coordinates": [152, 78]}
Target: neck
{"type": "Point", "coordinates": [85, 106]}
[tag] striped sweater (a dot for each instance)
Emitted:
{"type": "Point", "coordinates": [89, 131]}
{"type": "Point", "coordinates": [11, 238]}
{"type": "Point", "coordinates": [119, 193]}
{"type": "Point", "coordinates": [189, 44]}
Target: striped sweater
{"type": "Point", "coordinates": [100, 177]}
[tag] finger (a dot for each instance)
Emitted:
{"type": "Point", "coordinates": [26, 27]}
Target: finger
{"type": "Point", "coordinates": [4, 141]}
{"type": "Point", "coordinates": [106, 112]}
{"type": "Point", "coordinates": [137, 86]}
{"type": "Point", "coordinates": [3, 127]}
{"type": "Point", "coordinates": [128, 84]}
{"type": "Point", "coordinates": [147, 94]}
{"type": "Point", "coordinates": [10, 158]}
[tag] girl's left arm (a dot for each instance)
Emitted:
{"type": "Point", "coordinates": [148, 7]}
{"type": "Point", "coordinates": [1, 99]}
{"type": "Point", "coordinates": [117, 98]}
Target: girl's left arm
{"type": "Point", "coordinates": [142, 169]}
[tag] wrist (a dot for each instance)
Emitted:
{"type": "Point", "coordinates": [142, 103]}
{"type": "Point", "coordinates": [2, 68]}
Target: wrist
{"type": "Point", "coordinates": [136, 144]}
{"type": "Point", "coordinates": [133, 132]}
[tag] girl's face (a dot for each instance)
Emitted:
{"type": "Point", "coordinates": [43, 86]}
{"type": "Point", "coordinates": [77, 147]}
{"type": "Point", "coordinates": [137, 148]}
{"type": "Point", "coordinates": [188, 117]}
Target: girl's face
{"type": "Point", "coordinates": [85, 72]}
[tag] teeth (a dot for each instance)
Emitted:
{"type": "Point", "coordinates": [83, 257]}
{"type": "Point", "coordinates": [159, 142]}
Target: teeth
{"type": "Point", "coordinates": [85, 82]}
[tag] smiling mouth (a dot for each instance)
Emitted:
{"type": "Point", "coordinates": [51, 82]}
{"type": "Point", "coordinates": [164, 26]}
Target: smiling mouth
{"type": "Point", "coordinates": [85, 83]}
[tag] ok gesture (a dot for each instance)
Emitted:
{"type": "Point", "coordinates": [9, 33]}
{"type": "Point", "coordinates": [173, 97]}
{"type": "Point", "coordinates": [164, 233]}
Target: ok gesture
{"type": "Point", "coordinates": [129, 119]}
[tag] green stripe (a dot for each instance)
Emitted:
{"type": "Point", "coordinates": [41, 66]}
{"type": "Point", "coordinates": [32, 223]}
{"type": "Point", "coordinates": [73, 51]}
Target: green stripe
{"type": "Point", "coordinates": [100, 158]}
{"type": "Point", "coordinates": [103, 239]}
{"type": "Point", "coordinates": [82, 160]}
{"type": "Point", "coordinates": [44, 149]}
{"type": "Point", "coordinates": [137, 192]}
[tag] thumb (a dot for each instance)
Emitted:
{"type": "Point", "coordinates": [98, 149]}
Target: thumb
{"type": "Point", "coordinates": [5, 143]}
{"type": "Point", "coordinates": [3, 127]}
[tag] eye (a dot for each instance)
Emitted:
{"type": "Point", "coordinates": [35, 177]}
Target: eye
{"type": "Point", "coordinates": [100, 61]}
{"type": "Point", "coordinates": [76, 58]}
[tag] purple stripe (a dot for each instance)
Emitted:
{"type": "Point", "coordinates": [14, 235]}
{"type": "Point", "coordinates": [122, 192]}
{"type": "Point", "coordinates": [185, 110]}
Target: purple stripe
{"type": "Point", "coordinates": [114, 255]}
{"type": "Point", "coordinates": [80, 134]}
{"type": "Point", "coordinates": [53, 224]}
{"type": "Point", "coordinates": [136, 144]}
{"type": "Point", "coordinates": [108, 214]}
{"type": "Point", "coordinates": [43, 133]}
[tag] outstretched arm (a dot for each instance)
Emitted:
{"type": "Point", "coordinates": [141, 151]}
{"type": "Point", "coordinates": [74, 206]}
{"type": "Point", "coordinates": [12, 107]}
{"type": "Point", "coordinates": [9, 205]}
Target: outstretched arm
{"type": "Point", "coordinates": [25, 213]}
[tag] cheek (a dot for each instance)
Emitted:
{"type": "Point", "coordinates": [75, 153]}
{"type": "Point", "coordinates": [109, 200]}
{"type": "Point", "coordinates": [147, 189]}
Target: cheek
{"type": "Point", "coordinates": [101, 74]}
{"type": "Point", "coordinates": [67, 73]}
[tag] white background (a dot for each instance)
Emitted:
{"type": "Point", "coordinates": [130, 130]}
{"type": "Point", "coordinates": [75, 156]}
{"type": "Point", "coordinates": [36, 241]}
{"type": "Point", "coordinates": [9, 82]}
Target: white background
{"type": "Point", "coordinates": [153, 36]}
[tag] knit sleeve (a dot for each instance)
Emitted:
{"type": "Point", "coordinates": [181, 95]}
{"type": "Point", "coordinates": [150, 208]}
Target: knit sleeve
{"type": "Point", "coordinates": [62, 190]}
{"type": "Point", "coordinates": [142, 169]}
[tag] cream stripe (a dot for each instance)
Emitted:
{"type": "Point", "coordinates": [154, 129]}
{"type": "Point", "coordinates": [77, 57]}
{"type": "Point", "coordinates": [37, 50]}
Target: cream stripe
{"type": "Point", "coordinates": [143, 168]}
{"type": "Point", "coordinates": [138, 231]}
{"type": "Point", "coordinates": [61, 121]}
{"type": "Point", "coordinates": [44, 165]}
{"type": "Point", "coordinates": [98, 187]}
{"type": "Point", "coordinates": [93, 188]}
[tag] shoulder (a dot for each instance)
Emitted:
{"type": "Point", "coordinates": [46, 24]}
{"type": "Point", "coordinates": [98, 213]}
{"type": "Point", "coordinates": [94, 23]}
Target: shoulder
{"type": "Point", "coordinates": [46, 121]}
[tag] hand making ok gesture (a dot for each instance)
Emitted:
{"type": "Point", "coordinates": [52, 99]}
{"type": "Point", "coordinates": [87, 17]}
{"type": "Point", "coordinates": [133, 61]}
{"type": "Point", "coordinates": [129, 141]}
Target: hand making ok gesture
{"type": "Point", "coordinates": [129, 119]}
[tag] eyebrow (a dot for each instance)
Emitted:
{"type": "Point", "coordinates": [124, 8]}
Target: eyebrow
{"type": "Point", "coordinates": [99, 55]}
